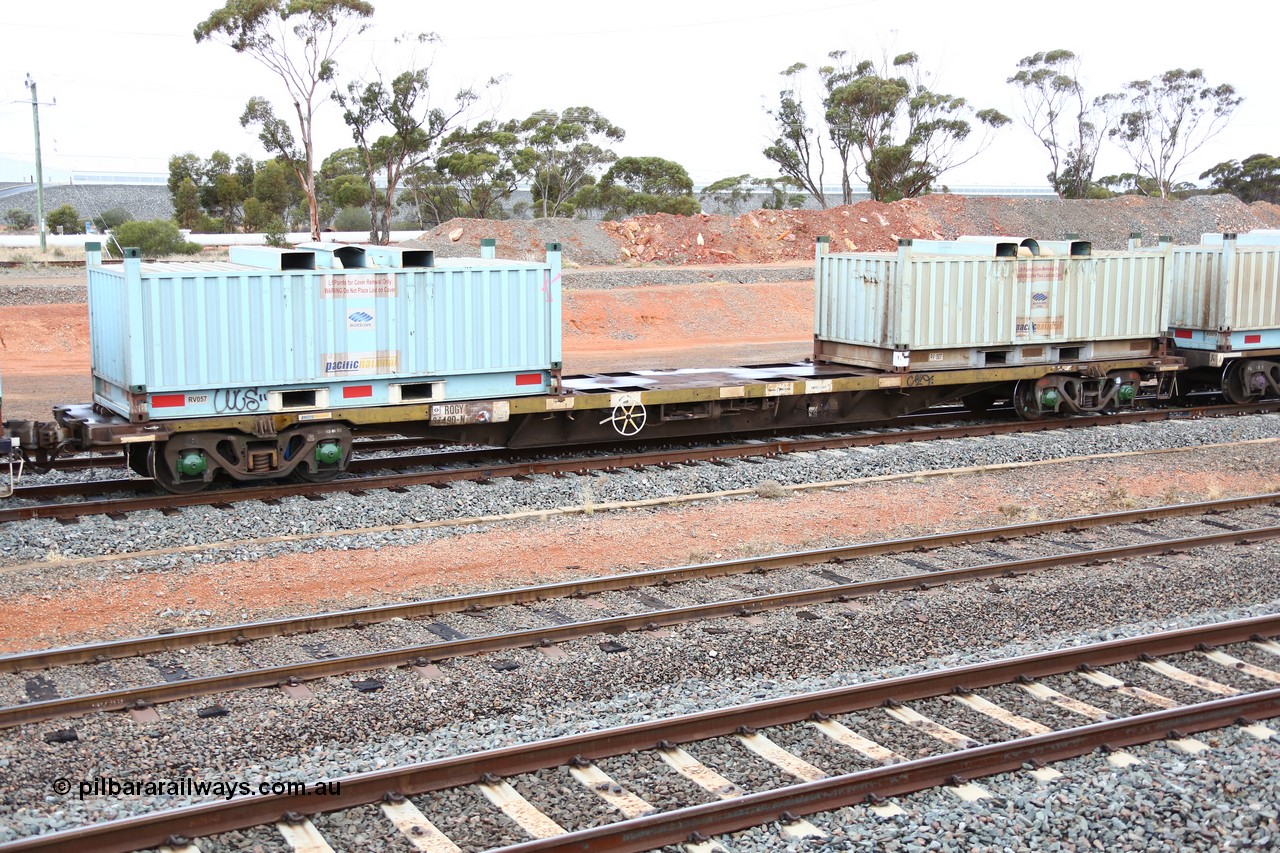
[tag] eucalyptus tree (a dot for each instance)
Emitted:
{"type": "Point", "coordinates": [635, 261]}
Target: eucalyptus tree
{"type": "Point", "coordinates": [298, 41]}
{"type": "Point", "coordinates": [1069, 124]}
{"type": "Point", "coordinates": [902, 134]}
{"type": "Point", "coordinates": [797, 149]}
{"type": "Point", "coordinates": [886, 125]}
{"type": "Point", "coordinates": [1168, 118]}
{"type": "Point", "coordinates": [415, 127]}
{"type": "Point", "coordinates": [563, 152]}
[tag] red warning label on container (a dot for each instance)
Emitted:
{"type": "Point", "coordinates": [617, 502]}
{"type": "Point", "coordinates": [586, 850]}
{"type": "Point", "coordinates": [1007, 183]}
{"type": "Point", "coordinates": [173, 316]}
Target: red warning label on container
{"type": "Point", "coordinates": [357, 286]}
{"type": "Point", "coordinates": [1039, 271]}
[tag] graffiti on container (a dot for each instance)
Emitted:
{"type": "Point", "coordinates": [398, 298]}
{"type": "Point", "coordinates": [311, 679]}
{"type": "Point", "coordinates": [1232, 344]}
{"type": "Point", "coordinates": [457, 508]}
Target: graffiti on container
{"type": "Point", "coordinates": [915, 380]}
{"type": "Point", "coordinates": [239, 400]}
{"type": "Point", "coordinates": [547, 281]}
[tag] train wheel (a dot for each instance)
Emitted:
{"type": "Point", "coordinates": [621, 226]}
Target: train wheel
{"type": "Point", "coordinates": [1024, 400]}
{"type": "Point", "coordinates": [324, 475]}
{"type": "Point", "coordinates": [330, 459]}
{"type": "Point", "coordinates": [167, 478]}
{"type": "Point", "coordinates": [1235, 384]}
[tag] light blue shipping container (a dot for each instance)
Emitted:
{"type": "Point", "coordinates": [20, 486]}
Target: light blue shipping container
{"type": "Point", "coordinates": [303, 329]}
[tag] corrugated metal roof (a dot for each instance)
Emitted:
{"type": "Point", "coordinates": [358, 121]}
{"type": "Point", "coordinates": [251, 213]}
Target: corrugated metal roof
{"type": "Point", "coordinates": [170, 268]}
{"type": "Point", "coordinates": [191, 267]}
{"type": "Point", "coordinates": [456, 263]}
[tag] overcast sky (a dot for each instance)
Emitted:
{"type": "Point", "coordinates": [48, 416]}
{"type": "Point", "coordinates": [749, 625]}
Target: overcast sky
{"type": "Point", "coordinates": [688, 81]}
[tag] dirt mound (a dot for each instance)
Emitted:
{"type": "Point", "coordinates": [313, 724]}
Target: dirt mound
{"type": "Point", "coordinates": [1267, 212]}
{"type": "Point", "coordinates": [766, 236]}
{"type": "Point", "coordinates": [584, 242]}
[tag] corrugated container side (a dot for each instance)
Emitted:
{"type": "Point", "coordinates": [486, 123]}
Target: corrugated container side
{"type": "Point", "coordinates": [937, 302]}
{"type": "Point", "coordinates": [1113, 297]}
{"type": "Point", "coordinates": [277, 328]}
{"type": "Point", "coordinates": [108, 313]}
{"type": "Point", "coordinates": [1252, 290]}
{"type": "Point", "coordinates": [1256, 300]}
{"type": "Point", "coordinates": [855, 298]}
{"type": "Point", "coordinates": [196, 329]}
{"type": "Point", "coordinates": [1192, 282]}
{"type": "Point", "coordinates": [471, 331]}
{"type": "Point", "coordinates": [957, 303]}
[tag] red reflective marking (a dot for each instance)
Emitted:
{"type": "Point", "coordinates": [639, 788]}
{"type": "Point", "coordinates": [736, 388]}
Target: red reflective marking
{"type": "Point", "coordinates": [357, 391]}
{"type": "Point", "coordinates": [1253, 339]}
{"type": "Point", "coordinates": [1182, 333]}
{"type": "Point", "coordinates": [167, 401]}
{"type": "Point", "coordinates": [528, 378]}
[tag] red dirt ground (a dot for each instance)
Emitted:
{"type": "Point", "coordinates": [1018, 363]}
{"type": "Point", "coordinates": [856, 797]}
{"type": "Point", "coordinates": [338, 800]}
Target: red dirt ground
{"type": "Point", "coordinates": [603, 544]}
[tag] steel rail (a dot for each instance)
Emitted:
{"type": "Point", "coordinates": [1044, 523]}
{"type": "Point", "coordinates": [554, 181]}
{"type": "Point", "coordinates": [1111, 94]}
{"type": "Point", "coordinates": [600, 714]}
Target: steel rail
{"type": "Point", "coordinates": [114, 458]}
{"type": "Point", "coordinates": [653, 831]}
{"type": "Point", "coordinates": [56, 264]}
{"type": "Point", "coordinates": [154, 830]}
{"type": "Point", "coordinates": [29, 712]}
{"type": "Point", "coordinates": [361, 617]}
{"type": "Point", "coordinates": [610, 462]}
{"type": "Point", "coordinates": [43, 491]}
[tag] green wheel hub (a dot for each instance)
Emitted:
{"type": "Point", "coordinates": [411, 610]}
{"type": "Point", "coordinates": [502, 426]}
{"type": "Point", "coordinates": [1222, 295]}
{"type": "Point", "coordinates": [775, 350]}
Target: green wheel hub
{"type": "Point", "coordinates": [192, 463]}
{"type": "Point", "coordinates": [329, 453]}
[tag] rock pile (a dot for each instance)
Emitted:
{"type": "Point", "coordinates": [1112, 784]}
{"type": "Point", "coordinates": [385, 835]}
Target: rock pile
{"type": "Point", "coordinates": [772, 236]}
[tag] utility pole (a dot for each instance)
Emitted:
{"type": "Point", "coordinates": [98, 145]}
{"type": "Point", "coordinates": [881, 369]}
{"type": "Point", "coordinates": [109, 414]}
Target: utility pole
{"type": "Point", "coordinates": [35, 120]}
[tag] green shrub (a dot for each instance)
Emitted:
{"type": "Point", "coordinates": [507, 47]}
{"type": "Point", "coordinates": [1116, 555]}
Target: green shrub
{"type": "Point", "coordinates": [66, 218]}
{"type": "Point", "coordinates": [275, 233]}
{"type": "Point", "coordinates": [113, 218]}
{"type": "Point", "coordinates": [209, 225]}
{"type": "Point", "coordinates": [256, 216]}
{"type": "Point", "coordinates": [154, 238]}
{"type": "Point", "coordinates": [19, 219]}
{"type": "Point", "coordinates": [352, 219]}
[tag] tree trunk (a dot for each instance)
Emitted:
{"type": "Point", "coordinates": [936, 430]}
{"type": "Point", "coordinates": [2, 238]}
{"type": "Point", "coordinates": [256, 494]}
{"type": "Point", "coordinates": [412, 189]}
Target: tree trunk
{"type": "Point", "coordinates": [313, 209]}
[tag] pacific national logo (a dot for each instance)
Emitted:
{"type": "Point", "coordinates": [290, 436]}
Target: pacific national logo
{"type": "Point", "coordinates": [359, 320]}
{"type": "Point", "coordinates": [1038, 297]}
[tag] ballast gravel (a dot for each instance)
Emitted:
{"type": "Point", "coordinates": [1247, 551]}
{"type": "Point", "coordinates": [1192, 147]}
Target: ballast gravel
{"type": "Point", "coordinates": [312, 526]}
{"type": "Point", "coordinates": [1225, 799]}
{"type": "Point", "coordinates": [407, 633]}
{"type": "Point", "coordinates": [264, 737]}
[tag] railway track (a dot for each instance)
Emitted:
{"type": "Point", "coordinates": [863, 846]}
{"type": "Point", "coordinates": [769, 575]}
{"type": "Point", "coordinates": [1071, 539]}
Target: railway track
{"type": "Point", "coordinates": [91, 461]}
{"type": "Point", "coordinates": [61, 265]}
{"type": "Point", "coordinates": [834, 748]}
{"type": "Point", "coordinates": [448, 642]}
{"type": "Point", "coordinates": [59, 507]}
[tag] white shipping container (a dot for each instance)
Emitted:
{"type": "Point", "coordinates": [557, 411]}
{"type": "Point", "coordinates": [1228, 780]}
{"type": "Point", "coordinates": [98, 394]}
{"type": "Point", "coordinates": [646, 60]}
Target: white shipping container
{"type": "Point", "coordinates": [1225, 288]}
{"type": "Point", "coordinates": [896, 310]}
